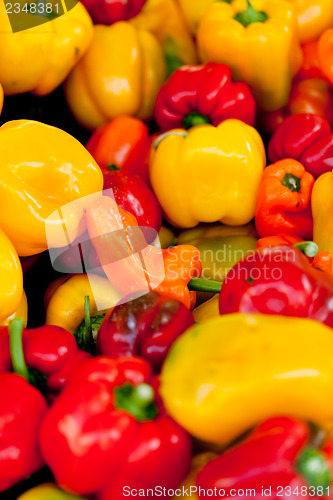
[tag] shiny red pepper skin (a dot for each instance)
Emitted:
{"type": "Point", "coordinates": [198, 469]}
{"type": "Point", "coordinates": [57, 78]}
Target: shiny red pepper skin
{"type": "Point", "coordinates": [306, 138]}
{"type": "Point", "coordinates": [134, 196]}
{"type": "Point", "coordinates": [146, 327]}
{"type": "Point", "coordinates": [93, 446]}
{"type": "Point", "coordinates": [125, 143]}
{"type": "Point", "coordinates": [49, 349]}
{"type": "Point", "coordinates": [278, 280]}
{"type": "Point", "coordinates": [265, 459]}
{"type": "Point", "coordinates": [111, 11]}
{"type": "Point", "coordinates": [207, 90]}
{"type": "Point", "coordinates": [22, 409]}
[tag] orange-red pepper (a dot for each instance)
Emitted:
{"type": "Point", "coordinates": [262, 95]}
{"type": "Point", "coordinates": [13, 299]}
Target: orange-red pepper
{"type": "Point", "coordinates": [325, 53]}
{"type": "Point", "coordinates": [283, 202]}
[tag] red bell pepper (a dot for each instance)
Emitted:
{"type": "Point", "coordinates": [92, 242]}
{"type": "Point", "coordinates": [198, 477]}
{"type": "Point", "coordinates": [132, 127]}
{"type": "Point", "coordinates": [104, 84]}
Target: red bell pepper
{"type": "Point", "coordinates": [194, 95]}
{"type": "Point", "coordinates": [106, 430]}
{"type": "Point", "coordinates": [308, 139]}
{"type": "Point", "coordinates": [134, 196]}
{"type": "Point", "coordinates": [111, 11]}
{"type": "Point", "coordinates": [283, 201]}
{"type": "Point", "coordinates": [50, 350]}
{"type": "Point", "coordinates": [278, 280]}
{"type": "Point", "coordinates": [274, 459]}
{"type": "Point", "coordinates": [125, 143]}
{"type": "Point", "coordinates": [22, 410]}
{"type": "Point", "coordinates": [146, 327]}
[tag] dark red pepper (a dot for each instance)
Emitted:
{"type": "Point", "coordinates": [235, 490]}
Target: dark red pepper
{"type": "Point", "coordinates": [146, 326]}
{"type": "Point", "coordinates": [195, 95]}
{"type": "Point", "coordinates": [278, 280]}
{"type": "Point", "coordinates": [306, 138]}
{"type": "Point", "coordinates": [106, 430]}
{"type": "Point", "coordinates": [111, 11]}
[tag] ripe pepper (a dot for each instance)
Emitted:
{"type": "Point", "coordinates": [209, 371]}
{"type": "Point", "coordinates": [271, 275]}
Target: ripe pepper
{"type": "Point", "coordinates": [123, 142]}
{"type": "Point", "coordinates": [20, 312]}
{"type": "Point", "coordinates": [47, 171]}
{"type": "Point", "coordinates": [258, 40]}
{"type": "Point", "coordinates": [325, 53]}
{"type": "Point", "coordinates": [11, 278]}
{"type": "Point", "coordinates": [314, 17]}
{"type": "Point", "coordinates": [106, 12]}
{"type": "Point", "coordinates": [21, 413]}
{"type": "Point", "coordinates": [311, 64]}
{"type": "Point", "coordinates": [224, 190]}
{"type": "Point", "coordinates": [1, 98]}
{"type": "Point", "coordinates": [145, 326]}
{"type": "Point", "coordinates": [109, 82]}
{"type": "Point", "coordinates": [322, 203]}
{"type": "Point", "coordinates": [39, 59]}
{"type": "Point", "coordinates": [195, 95]}
{"type": "Point", "coordinates": [122, 435]}
{"type": "Point", "coordinates": [47, 492]}
{"type": "Point", "coordinates": [164, 19]}
{"type": "Point", "coordinates": [278, 280]}
{"type": "Point", "coordinates": [308, 139]}
{"type": "Point", "coordinates": [283, 202]}
{"type": "Point", "coordinates": [275, 458]}
{"type": "Point", "coordinates": [47, 355]}
{"type": "Point", "coordinates": [194, 11]}
{"type": "Point", "coordinates": [255, 365]}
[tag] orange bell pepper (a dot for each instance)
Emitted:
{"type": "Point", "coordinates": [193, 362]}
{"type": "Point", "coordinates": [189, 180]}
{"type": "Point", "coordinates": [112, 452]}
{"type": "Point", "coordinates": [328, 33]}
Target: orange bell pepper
{"type": "Point", "coordinates": [325, 53]}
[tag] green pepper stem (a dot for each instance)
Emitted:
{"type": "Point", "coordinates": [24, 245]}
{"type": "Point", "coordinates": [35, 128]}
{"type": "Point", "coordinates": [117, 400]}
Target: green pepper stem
{"type": "Point", "coordinates": [292, 182]}
{"type": "Point", "coordinates": [112, 167]}
{"type": "Point", "coordinates": [161, 137]}
{"type": "Point", "coordinates": [250, 16]}
{"type": "Point", "coordinates": [88, 337]}
{"type": "Point", "coordinates": [314, 468]}
{"type": "Point", "coordinates": [203, 285]}
{"type": "Point", "coordinates": [194, 118]}
{"type": "Point", "coordinates": [138, 400]}
{"type": "Point", "coordinates": [309, 248]}
{"type": "Point", "coordinates": [15, 329]}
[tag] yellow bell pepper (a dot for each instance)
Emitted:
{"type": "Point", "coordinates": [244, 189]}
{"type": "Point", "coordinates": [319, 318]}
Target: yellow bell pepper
{"type": "Point", "coordinates": [42, 169]}
{"type": "Point", "coordinates": [314, 17]}
{"type": "Point", "coordinates": [47, 492]}
{"type": "Point", "coordinates": [263, 51]}
{"type": "Point", "coordinates": [120, 75]}
{"type": "Point", "coordinates": [208, 174]}
{"type": "Point", "coordinates": [207, 310]}
{"type": "Point", "coordinates": [39, 59]}
{"type": "Point", "coordinates": [194, 11]}
{"type": "Point", "coordinates": [224, 376]}
{"type": "Point", "coordinates": [322, 208]}
{"type": "Point", "coordinates": [21, 311]}
{"type": "Point", "coordinates": [11, 278]}
{"type": "Point", "coordinates": [1, 98]}
{"type": "Point", "coordinates": [66, 306]}
{"type": "Point", "coordinates": [165, 20]}
{"type": "Point", "coordinates": [198, 462]}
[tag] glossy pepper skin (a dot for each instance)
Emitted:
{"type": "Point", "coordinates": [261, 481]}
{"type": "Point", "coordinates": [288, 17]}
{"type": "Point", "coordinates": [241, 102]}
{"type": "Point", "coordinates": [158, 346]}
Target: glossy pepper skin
{"type": "Point", "coordinates": [47, 171]}
{"type": "Point", "coordinates": [314, 17]}
{"type": "Point", "coordinates": [50, 350]}
{"type": "Point", "coordinates": [121, 436]}
{"type": "Point", "coordinates": [136, 73]}
{"type": "Point", "coordinates": [283, 202]}
{"type": "Point", "coordinates": [306, 138]}
{"type": "Point", "coordinates": [258, 366]}
{"type": "Point", "coordinates": [325, 44]}
{"type": "Point", "coordinates": [133, 195]}
{"type": "Point", "coordinates": [108, 12]}
{"type": "Point", "coordinates": [278, 280]}
{"type": "Point", "coordinates": [146, 327]}
{"type": "Point", "coordinates": [11, 279]}
{"type": "Point", "coordinates": [22, 411]}
{"type": "Point", "coordinates": [195, 95]}
{"type": "Point", "coordinates": [224, 190]}
{"type": "Point", "coordinates": [267, 458]}
{"type": "Point", "coordinates": [39, 59]}
{"type": "Point", "coordinates": [222, 38]}
{"type": "Point", "coordinates": [47, 491]}
{"type": "Point", "coordinates": [123, 142]}
{"type": "Point", "coordinates": [322, 204]}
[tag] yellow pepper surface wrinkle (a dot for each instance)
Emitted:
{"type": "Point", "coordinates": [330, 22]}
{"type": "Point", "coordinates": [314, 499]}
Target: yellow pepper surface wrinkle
{"type": "Point", "coordinates": [39, 59]}
{"type": "Point", "coordinates": [266, 55]}
{"type": "Point", "coordinates": [66, 306]}
{"type": "Point", "coordinates": [120, 74]}
{"type": "Point", "coordinates": [314, 17]}
{"type": "Point", "coordinates": [42, 169]}
{"type": "Point", "coordinates": [222, 377]}
{"type": "Point", "coordinates": [11, 278]}
{"type": "Point", "coordinates": [322, 210]}
{"type": "Point", "coordinates": [212, 174]}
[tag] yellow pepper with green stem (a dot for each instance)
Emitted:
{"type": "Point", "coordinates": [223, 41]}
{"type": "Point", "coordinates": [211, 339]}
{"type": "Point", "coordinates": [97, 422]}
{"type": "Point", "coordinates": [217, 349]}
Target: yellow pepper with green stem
{"type": "Point", "coordinates": [38, 59]}
{"type": "Point", "coordinates": [258, 41]}
{"type": "Point", "coordinates": [119, 75]}
{"type": "Point", "coordinates": [224, 376]}
{"type": "Point", "coordinates": [208, 174]}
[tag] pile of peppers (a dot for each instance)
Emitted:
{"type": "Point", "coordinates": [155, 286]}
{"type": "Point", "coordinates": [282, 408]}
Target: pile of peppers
{"type": "Point", "coordinates": [166, 249]}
